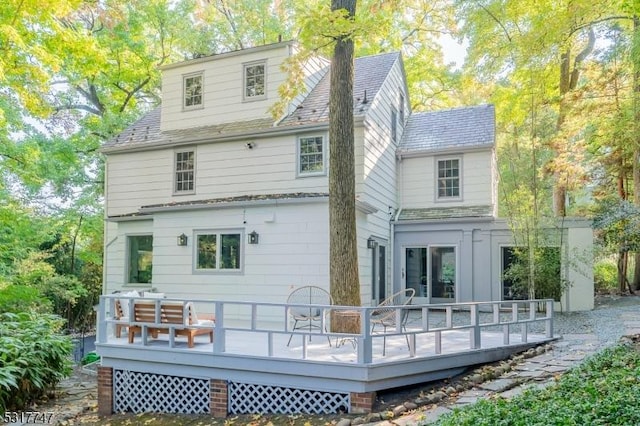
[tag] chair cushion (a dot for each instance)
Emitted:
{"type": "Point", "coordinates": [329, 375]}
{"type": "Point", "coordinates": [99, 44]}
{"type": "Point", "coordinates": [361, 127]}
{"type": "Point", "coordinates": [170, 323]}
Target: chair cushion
{"type": "Point", "coordinates": [124, 303]}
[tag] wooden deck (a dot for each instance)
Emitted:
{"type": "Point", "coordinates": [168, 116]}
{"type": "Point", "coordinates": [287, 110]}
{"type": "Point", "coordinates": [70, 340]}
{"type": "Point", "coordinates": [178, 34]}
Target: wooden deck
{"type": "Point", "coordinates": [443, 341]}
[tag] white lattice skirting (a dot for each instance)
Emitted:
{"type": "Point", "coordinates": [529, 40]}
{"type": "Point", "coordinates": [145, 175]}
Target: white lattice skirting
{"type": "Point", "coordinates": [145, 392]}
{"type": "Point", "coordinates": [245, 398]}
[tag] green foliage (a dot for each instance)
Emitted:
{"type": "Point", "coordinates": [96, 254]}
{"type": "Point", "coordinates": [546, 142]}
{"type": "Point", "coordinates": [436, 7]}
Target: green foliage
{"type": "Point", "coordinates": [618, 223]}
{"type": "Point", "coordinates": [603, 390]}
{"type": "Point", "coordinates": [538, 275]}
{"type": "Point", "coordinates": [605, 273]}
{"type": "Point", "coordinates": [34, 357]}
{"type": "Point", "coordinates": [20, 298]}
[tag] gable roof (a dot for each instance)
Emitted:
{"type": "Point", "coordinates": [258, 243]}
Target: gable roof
{"type": "Point", "coordinates": [446, 130]}
{"type": "Point", "coordinates": [370, 73]}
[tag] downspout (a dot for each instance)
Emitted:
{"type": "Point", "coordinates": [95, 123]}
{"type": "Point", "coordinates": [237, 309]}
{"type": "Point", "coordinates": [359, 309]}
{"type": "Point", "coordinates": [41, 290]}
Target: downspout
{"type": "Point", "coordinates": [393, 219]}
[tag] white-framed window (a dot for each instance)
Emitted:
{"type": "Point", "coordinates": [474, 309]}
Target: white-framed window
{"type": "Point", "coordinates": [255, 80]}
{"type": "Point", "coordinates": [394, 124]}
{"type": "Point", "coordinates": [193, 85]}
{"type": "Point", "coordinates": [184, 171]}
{"type": "Point", "coordinates": [448, 179]}
{"type": "Point", "coordinates": [311, 155]}
{"type": "Point", "coordinates": [139, 259]}
{"type": "Point", "coordinates": [401, 110]}
{"type": "Point", "coordinates": [218, 250]}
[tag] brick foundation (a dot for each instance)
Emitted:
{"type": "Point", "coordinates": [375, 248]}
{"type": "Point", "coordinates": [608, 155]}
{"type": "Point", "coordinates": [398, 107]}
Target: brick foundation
{"type": "Point", "coordinates": [362, 403]}
{"type": "Point", "coordinates": [219, 398]}
{"type": "Point", "coordinates": [105, 391]}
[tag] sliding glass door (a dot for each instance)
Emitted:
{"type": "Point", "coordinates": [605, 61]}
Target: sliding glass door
{"type": "Point", "coordinates": [431, 271]}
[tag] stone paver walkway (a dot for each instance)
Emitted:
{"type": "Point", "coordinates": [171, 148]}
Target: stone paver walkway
{"type": "Point", "coordinates": [537, 367]}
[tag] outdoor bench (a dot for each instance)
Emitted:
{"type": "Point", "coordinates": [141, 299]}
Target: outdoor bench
{"type": "Point", "coordinates": [175, 319]}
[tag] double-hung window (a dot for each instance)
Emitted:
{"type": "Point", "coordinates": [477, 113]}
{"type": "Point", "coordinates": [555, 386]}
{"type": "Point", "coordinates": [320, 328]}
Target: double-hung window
{"type": "Point", "coordinates": [218, 251]}
{"type": "Point", "coordinates": [139, 259]}
{"type": "Point", "coordinates": [185, 166]}
{"type": "Point", "coordinates": [448, 180]}
{"type": "Point", "coordinates": [311, 160]}
{"type": "Point", "coordinates": [254, 81]}
{"type": "Point", "coordinates": [193, 88]}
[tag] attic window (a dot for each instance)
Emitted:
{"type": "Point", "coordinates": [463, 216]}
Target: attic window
{"type": "Point", "coordinates": [192, 91]}
{"type": "Point", "coordinates": [254, 80]}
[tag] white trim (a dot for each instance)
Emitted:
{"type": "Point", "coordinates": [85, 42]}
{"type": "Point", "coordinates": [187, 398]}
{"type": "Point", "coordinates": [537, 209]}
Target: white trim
{"type": "Point", "coordinates": [246, 65]}
{"type": "Point", "coordinates": [325, 157]}
{"type": "Point", "coordinates": [444, 199]}
{"type": "Point", "coordinates": [182, 150]}
{"type": "Point", "coordinates": [218, 232]}
{"type": "Point", "coordinates": [184, 91]}
{"type": "Point", "coordinates": [127, 259]}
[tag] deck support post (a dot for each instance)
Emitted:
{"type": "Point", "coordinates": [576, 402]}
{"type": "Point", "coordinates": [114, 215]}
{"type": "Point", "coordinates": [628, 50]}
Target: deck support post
{"type": "Point", "coordinates": [218, 398]}
{"type": "Point", "coordinates": [105, 391]}
{"type": "Point", "coordinates": [362, 403]}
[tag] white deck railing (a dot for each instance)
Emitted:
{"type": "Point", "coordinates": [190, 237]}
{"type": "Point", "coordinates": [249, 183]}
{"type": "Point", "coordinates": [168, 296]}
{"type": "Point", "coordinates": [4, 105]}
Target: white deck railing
{"type": "Point", "coordinates": [273, 321]}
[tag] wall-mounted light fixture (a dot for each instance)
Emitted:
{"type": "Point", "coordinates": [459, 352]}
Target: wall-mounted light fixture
{"type": "Point", "coordinates": [182, 240]}
{"type": "Point", "coordinates": [254, 237]}
{"type": "Point", "coordinates": [371, 243]}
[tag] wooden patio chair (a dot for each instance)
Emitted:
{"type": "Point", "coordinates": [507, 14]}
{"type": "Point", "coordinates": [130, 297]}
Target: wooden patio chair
{"type": "Point", "coordinates": [121, 311]}
{"type": "Point", "coordinates": [385, 314]}
{"type": "Point", "coordinates": [308, 317]}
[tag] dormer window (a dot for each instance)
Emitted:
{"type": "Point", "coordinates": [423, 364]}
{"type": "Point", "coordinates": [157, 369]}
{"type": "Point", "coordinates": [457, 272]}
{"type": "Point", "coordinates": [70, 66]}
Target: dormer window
{"type": "Point", "coordinates": [254, 81]}
{"type": "Point", "coordinates": [192, 91]}
{"type": "Point", "coordinates": [185, 172]}
{"type": "Point", "coordinates": [448, 180]}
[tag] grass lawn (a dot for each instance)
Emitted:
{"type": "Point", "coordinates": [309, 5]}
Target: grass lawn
{"type": "Point", "coordinates": [603, 390]}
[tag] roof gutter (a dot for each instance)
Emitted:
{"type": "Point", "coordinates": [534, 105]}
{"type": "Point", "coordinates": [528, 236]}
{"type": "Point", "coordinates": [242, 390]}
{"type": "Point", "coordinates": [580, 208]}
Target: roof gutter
{"type": "Point", "coordinates": [441, 151]}
{"type": "Point", "coordinates": [274, 131]}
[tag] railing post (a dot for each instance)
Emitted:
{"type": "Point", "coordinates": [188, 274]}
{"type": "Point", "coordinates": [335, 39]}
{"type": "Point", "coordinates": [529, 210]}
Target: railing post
{"type": "Point", "coordinates": [549, 322]}
{"type": "Point", "coordinates": [475, 330]}
{"type": "Point", "coordinates": [219, 338]}
{"type": "Point", "coordinates": [425, 318]}
{"type": "Point", "coordinates": [365, 345]}
{"type": "Point", "coordinates": [102, 319]}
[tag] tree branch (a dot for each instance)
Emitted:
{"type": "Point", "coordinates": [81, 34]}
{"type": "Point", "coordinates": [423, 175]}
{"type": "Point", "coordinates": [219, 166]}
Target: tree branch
{"type": "Point", "coordinates": [504, 29]}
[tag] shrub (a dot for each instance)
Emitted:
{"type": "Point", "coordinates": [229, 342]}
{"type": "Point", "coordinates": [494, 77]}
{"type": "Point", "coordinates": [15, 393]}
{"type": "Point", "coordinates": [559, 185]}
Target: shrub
{"type": "Point", "coordinates": [20, 298]}
{"type": "Point", "coordinates": [604, 390]}
{"type": "Point", "coordinates": [605, 276]}
{"type": "Point", "coordinates": [34, 357]}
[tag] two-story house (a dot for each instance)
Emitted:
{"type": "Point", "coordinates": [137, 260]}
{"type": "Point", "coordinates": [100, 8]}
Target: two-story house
{"type": "Point", "coordinates": [211, 197]}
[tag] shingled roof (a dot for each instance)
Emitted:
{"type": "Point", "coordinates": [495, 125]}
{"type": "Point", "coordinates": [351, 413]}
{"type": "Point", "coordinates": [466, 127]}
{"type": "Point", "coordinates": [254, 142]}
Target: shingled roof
{"type": "Point", "coordinates": [369, 74]}
{"type": "Point", "coordinates": [469, 127]}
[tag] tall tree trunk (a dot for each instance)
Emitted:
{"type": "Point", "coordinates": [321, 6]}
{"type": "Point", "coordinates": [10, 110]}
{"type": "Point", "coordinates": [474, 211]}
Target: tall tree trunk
{"type": "Point", "coordinates": [343, 251]}
{"type": "Point", "coordinates": [569, 75]}
{"type": "Point", "coordinates": [636, 145]}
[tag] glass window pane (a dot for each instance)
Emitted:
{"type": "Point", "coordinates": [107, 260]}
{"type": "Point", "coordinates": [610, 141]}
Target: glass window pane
{"type": "Point", "coordinates": [311, 156]}
{"type": "Point", "coordinates": [230, 255]}
{"type": "Point", "coordinates": [207, 248]}
{"type": "Point", "coordinates": [140, 258]}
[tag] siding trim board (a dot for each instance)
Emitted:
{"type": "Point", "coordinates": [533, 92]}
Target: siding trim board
{"type": "Point", "coordinates": [244, 201]}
